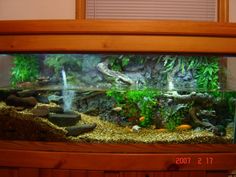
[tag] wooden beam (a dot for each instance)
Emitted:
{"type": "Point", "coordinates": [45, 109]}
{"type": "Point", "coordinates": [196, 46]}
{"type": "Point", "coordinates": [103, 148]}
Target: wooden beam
{"type": "Point", "coordinates": [127, 27]}
{"type": "Point", "coordinates": [223, 11]}
{"type": "Point", "coordinates": [117, 43]}
{"type": "Point", "coordinates": [80, 9]}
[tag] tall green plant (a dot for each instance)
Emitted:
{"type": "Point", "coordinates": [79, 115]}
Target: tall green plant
{"type": "Point", "coordinates": [138, 103]}
{"type": "Point", "coordinates": [25, 69]}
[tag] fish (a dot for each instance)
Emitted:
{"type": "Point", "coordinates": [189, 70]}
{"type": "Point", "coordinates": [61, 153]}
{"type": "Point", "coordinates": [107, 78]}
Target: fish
{"type": "Point", "coordinates": [141, 119]}
{"type": "Point", "coordinates": [184, 127]}
{"type": "Point", "coordinates": [117, 109]}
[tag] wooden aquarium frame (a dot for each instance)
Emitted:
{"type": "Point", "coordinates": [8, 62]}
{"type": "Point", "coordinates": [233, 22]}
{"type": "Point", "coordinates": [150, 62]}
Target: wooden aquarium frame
{"type": "Point", "coordinates": [19, 158]}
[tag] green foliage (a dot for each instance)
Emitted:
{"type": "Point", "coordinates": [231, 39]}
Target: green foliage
{"type": "Point", "coordinates": [118, 62]}
{"type": "Point", "coordinates": [25, 69]}
{"type": "Point", "coordinates": [58, 61]}
{"type": "Point", "coordinates": [173, 115]}
{"type": "Point", "coordinates": [136, 103]}
{"type": "Point", "coordinates": [206, 69]}
{"type": "Point", "coordinates": [207, 74]}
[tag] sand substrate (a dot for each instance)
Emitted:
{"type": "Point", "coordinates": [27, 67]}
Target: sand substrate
{"type": "Point", "coordinates": [23, 125]}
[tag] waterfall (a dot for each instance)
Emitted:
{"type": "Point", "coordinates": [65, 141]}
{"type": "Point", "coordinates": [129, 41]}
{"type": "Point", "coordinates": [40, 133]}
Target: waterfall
{"type": "Point", "coordinates": [170, 85]}
{"type": "Point", "coordinates": [68, 94]}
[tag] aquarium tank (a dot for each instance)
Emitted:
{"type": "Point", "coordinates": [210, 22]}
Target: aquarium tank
{"type": "Point", "coordinates": [117, 98]}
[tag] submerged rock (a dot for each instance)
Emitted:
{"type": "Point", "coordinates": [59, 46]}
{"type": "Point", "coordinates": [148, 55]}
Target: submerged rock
{"type": "Point", "coordinates": [219, 130]}
{"type": "Point", "coordinates": [27, 93]}
{"type": "Point", "coordinates": [77, 130]}
{"type": "Point", "coordinates": [28, 102]}
{"type": "Point", "coordinates": [136, 128]}
{"type": "Point", "coordinates": [64, 120]}
{"type": "Point", "coordinates": [42, 99]}
{"type": "Point", "coordinates": [40, 112]}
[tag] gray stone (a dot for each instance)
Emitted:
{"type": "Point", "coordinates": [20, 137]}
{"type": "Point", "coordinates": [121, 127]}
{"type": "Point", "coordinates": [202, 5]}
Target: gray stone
{"type": "Point", "coordinates": [77, 130]}
{"type": "Point", "coordinates": [64, 120]}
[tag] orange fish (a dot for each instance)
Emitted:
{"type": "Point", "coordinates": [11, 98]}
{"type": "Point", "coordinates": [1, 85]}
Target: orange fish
{"type": "Point", "coordinates": [141, 119]}
{"type": "Point", "coordinates": [184, 127]}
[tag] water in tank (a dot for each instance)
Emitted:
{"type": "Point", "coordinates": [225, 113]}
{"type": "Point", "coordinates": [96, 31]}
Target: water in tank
{"type": "Point", "coordinates": [118, 98]}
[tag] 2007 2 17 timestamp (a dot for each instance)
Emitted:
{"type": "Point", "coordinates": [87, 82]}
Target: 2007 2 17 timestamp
{"type": "Point", "coordinates": [194, 160]}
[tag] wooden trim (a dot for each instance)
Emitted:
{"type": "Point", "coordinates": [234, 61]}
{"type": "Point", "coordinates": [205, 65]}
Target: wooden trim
{"type": "Point", "coordinates": [117, 148]}
{"type": "Point", "coordinates": [139, 27]}
{"type": "Point", "coordinates": [80, 9]}
{"type": "Point", "coordinates": [116, 43]}
{"type": "Point", "coordinates": [223, 11]}
{"type": "Point", "coordinates": [115, 161]}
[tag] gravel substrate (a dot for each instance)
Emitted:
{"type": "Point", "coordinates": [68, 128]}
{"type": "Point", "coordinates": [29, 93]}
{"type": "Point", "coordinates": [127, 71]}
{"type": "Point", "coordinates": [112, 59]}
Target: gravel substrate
{"type": "Point", "coordinates": [28, 127]}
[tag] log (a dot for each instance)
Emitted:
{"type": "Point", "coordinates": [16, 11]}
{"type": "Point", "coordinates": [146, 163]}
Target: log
{"type": "Point", "coordinates": [117, 76]}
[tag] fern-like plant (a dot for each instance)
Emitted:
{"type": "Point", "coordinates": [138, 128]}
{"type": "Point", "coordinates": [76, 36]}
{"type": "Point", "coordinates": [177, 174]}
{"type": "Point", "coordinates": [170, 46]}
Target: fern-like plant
{"type": "Point", "coordinates": [25, 69]}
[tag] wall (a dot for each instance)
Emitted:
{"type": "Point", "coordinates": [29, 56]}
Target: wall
{"type": "Point", "coordinates": [37, 9]}
{"type": "Point", "coordinates": [232, 61]}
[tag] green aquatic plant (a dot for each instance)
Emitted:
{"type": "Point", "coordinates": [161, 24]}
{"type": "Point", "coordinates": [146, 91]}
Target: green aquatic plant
{"type": "Point", "coordinates": [137, 103]}
{"type": "Point", "coordinates": [173, 115]}
{"type": "Point", "coordinates": [25, 69]}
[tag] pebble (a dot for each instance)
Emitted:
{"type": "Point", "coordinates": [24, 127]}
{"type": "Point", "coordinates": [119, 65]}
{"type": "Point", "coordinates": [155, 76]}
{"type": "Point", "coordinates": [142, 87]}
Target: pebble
{"type": "Point", "coordinates": [136, 128]}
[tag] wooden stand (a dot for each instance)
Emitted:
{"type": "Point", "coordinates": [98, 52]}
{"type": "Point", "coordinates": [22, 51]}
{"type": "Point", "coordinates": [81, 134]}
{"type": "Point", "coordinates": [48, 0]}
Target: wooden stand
{"type": "Point", "coordinates": [36, 159]}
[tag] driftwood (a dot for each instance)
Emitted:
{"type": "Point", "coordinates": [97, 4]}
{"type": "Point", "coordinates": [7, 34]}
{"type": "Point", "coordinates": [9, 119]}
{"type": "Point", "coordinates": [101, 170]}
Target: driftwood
{"type": "Point", "coordinates": [200, 101]}
{"type": "Point", "coordinates": [193, 96]}
{"type": "Point", "coordinates": [117, 76]}
{"type": "Point", "coordinates": [193, 113]}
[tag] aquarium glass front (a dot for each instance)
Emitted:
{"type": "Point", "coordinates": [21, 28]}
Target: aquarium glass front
{"type": "Point", "coordinates": [118, 98]}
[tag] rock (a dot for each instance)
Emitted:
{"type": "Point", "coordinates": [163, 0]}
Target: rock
{"type": "Point", "coordinates": [136, 128]}
{"type": "Point", "coordinates": [42, 99]}
{"type": "Point", "coordinates": [56, 109]}
{"type": "Point", "coordinates": [230, 125]}
{"type": "Point", "coordinates": [77, 130]}
{"type": "Point", "coordinates": [28, 102]}
{"type": "Point", "coordinates": [54, 98]}
{"type": "Point", "coordinates": [41, 112]}
{"type": "Point", "coordinates": [25, 85]}
{"type": "Point", "coordinates": [19, 108]}
{"type": "Point", "coordinates": [6, 93]}
{"type": "Point", "coordinates": [219, 130]}
{"type": "Point", "coordinates": [64, 120]}
{"type": "Point", "coordinates": [27, 93]}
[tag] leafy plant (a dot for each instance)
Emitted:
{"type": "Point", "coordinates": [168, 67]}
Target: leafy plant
{"type": "Point", "coordinates": [118, 62]}
{"type": "Point", "coordinates": [206, 69]}
{"type": "Point", "coordinates": [25, 69]}
{"type": "Point", "coordinates": [173, 115]}
{"type": "Point", "coordinates": [136, 103]}
{"type": "Point", "coordinates": [58, 61]}
{"type": "Point", "coordinates": [207, 74]}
